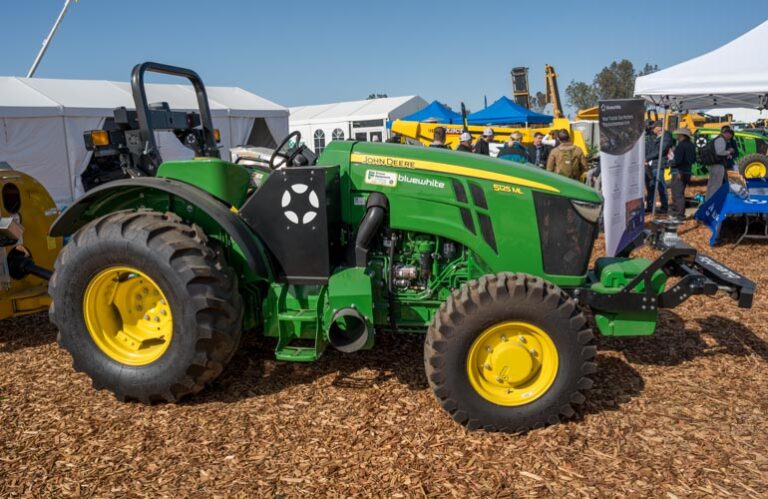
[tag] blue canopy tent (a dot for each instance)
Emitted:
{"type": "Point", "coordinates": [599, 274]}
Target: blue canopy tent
{"type": "Point", "coordinates": [504, 111]}
{"type": "Point", "coordinates": [435, 111]}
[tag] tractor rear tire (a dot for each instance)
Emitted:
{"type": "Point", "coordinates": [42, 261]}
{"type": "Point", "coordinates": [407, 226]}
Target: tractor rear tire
{"type": "Point", "coordinates": [754, 166]}
{"type": "Point", "coordinates": [145, 306]}
{"type": "Point", "coordinates": [509, 352]}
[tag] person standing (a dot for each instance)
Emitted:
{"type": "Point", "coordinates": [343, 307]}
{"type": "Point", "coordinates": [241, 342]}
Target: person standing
{"type": "Point", "coordinates": [438, 140]}
{"type": "Point", "coordinates": [567, 159]}
{"type": "Point", "coordinates": [538, 152]}
{"type": "Point", "coordinates": [660, 140]}
{"type": "Point", "coordinates": [725, 153]}
{"type": "Point", "coordinates": [514, 150]}
{"type": "Point", "coordinates": [482, 145]}
{"type": "Point", "coordinates": [465, 142]}
{"type": "Point", "coordinates": [680, 166]}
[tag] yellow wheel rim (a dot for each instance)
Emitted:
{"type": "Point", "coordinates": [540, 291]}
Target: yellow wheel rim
{"type": "Point", "coordinates": [128, 316]}
{"type": "Point", "coordinates": [512, 363]}
{"type": "Point", "coordinates": [756, 169]}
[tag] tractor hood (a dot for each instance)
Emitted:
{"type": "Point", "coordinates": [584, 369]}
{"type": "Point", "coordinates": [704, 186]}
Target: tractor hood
{"type": "Point", "coordinates": [464, 164]}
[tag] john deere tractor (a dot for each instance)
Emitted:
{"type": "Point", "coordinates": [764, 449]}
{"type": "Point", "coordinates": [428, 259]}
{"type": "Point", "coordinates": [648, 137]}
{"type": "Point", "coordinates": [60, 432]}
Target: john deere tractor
{"type": "Point", "coordinates": [488, 259]}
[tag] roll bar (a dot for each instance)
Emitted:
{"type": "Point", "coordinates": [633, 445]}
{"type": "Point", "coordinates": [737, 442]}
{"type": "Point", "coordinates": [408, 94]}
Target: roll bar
{"type": "Point", "coordinates": [144, 114]}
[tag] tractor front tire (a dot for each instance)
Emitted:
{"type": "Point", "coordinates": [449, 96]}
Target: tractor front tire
{"type": "Point", "coordinates": [754, 166]}
{"type": "Point", "coordinates": [145, 306]}
{"type": "Point", "coordinates": [509, 352]}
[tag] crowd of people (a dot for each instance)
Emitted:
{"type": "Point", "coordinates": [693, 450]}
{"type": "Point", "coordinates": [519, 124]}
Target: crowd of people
{"type": "Point", "coordinates": [559, 156]}
{"type": "Point", "coordinates": [678, 155]}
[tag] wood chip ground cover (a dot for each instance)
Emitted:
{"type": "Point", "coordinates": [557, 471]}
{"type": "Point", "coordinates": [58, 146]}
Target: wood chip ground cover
{"type": "Point", "coordinates": [678, 414]}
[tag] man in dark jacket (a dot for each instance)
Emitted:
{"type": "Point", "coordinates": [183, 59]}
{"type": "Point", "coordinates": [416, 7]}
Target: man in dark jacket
{"type": "Point", "coordinates": [680, 166]}
{"type": "Point", "coordinates": [538, 152]}
{"type": "Point", "coordinates": [481, 146]}
{"type": "Point", "coordinates": [653, 184]}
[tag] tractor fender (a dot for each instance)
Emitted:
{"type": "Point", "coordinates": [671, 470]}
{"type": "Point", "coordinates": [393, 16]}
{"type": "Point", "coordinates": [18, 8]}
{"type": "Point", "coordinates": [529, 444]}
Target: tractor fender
{"type": "Point", "coordinates": [131, 193]}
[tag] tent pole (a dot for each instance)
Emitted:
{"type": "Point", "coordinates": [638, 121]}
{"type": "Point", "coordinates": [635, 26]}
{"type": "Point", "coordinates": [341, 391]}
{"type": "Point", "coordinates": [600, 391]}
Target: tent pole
{"type": "Point", "coordinates": [658, 162]}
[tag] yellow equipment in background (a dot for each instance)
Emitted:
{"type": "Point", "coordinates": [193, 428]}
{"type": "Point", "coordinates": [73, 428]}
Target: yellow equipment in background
{"type": "Point", "coordinates": [26, 252]}
{"type": "Point", "coordinates": [588, 114]}
{"type": "Point", "coordinates": [424, 132]}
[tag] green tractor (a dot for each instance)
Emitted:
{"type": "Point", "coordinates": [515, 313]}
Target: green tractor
{"type": "Point", "coordinates": [753, 151]}
{"type": "Point", "coordinates": [488, 259]}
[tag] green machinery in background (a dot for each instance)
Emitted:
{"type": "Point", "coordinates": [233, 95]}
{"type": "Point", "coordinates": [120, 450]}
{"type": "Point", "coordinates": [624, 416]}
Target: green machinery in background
{"type": "Point", "coordinates": [490, 260]}
{"type": "Point", "coordinates": [753, 151]}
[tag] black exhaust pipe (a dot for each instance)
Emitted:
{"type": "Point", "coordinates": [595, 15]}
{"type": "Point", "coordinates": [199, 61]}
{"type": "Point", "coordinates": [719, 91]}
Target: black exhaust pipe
{"type": "Point", "coordinates": [376, 210]}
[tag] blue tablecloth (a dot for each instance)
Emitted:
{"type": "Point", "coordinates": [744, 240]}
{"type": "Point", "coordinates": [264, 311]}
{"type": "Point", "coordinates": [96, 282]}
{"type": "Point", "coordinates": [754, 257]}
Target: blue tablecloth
{"type": "Point", "coordinates": [726, 202]}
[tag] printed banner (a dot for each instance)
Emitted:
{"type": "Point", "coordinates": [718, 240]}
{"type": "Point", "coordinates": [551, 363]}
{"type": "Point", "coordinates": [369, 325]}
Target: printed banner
{"type": "Point", "coordinates": [622, 170]}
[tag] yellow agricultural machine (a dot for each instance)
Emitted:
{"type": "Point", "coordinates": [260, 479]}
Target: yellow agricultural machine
{"type": "Point", "coordinates": [425, 132]}
{"type": "Point", "coordinates": [26, 251]}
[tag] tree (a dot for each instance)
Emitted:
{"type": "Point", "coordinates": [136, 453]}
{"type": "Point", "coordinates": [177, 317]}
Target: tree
{"type": "Point", "coordinates": [376, 96]}
{"type": "Point", "coordinates": [615, 81]}
{"type": "Point", "coordinates": [581, 95]}
{"type": "Point", "coordinates": [648, 69]}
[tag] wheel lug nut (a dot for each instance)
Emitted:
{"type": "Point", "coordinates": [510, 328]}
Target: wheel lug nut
{"type": "Point", "coordinates": [503, 337]}
{"type": "Point", "coordinates": [499, 380]}
{"type": "Point", "coordinates": [146, 317]}
{"type": "Point", "coordinates": [145, 291]}
{"type": "Point", "coordinates": [163, 312]}
{"type": "Point", "coordinates": [157, 319]}
{"type": "Point", "coordinates": [139, 297]}
{"type": "Point", "coordinates": [487, 366]}
{"type": "Point", "coordinates": [488, 349]}
{"type": "Point", "coordinates": [533, 352]}
{"type": "Point", "coordinates": [522, 339]}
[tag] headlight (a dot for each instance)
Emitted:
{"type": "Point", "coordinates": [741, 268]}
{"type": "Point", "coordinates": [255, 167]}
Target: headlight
{"type": "Point", "coordinates": [589, 211]}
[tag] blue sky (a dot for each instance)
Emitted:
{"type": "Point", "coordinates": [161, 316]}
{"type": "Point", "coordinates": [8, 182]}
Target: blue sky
{"type": "Point", "coordinates": [301, 52]}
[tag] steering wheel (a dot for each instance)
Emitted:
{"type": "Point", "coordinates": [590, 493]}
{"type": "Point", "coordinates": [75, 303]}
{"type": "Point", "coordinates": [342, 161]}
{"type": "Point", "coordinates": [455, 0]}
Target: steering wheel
{"type": "Point", "coordinates": [288, 154]}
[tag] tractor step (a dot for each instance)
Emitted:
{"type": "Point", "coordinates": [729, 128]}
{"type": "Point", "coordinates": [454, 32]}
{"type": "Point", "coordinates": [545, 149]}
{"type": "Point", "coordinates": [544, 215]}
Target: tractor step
{"type": "Point", "coordinates": [296, 354]}
{"type": "Point", "coordinates": [298, 335]}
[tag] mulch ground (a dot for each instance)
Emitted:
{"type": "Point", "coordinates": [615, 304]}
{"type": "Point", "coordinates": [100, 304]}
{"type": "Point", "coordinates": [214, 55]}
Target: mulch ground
{"type": "Point", "coordinates": [682, 413]}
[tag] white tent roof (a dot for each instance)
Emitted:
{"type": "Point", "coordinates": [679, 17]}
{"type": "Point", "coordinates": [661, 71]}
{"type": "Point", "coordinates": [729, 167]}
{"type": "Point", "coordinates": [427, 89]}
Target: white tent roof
{"type": "Point", "coordinates": [37, 97]}
{"type": "Point", "coordinates": [734, 75]}
{"type": "Point", "coordinates": [368, 109]}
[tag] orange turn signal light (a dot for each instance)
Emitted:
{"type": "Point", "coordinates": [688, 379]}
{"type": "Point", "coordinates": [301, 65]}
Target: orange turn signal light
{"type": "Point", "coordinates": [216, 135]}
{"type": "Point", "coordinates": [100, 138]}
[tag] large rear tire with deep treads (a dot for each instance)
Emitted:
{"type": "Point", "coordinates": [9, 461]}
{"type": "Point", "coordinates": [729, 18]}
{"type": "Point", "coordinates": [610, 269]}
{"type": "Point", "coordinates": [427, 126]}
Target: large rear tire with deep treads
{"type": "Point", "coordinates": [145, 306]}
{"type": "Point", "coordinates": [509, 352]}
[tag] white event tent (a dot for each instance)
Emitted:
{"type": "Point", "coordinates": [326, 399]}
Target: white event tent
{"type": "Point", "coordinates": [364, 120]}
{"type": "Point", "coordinates": [732, 76]}
{"type": "Point", "coordinates": [42, 123]}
